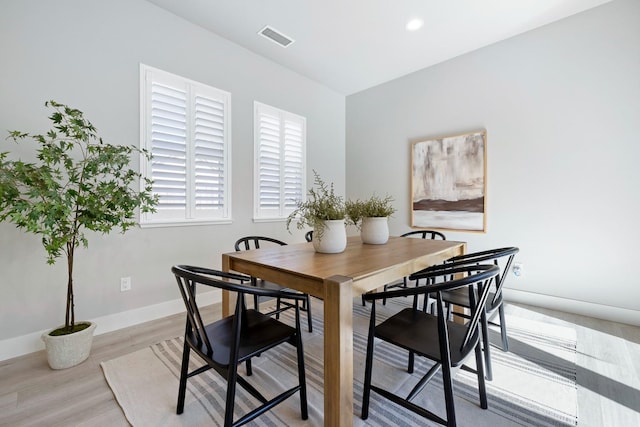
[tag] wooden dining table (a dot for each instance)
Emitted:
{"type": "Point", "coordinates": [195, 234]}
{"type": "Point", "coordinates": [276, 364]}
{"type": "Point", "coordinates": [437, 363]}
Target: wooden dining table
{"type": "Point", "coordinates": [337, 279]}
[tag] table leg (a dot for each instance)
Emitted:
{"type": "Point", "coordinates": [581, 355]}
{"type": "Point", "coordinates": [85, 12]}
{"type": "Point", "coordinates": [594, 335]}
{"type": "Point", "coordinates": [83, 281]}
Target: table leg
{"type": "Point", "coordinates": [338, 352]}
{"type": "Point", "coordinates": [226, 297]}
{"type": "Point", "coordinates": [457, 309]}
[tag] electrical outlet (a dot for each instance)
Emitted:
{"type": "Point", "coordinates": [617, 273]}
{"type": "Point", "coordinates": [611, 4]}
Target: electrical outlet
{"type": "Point", "coordinates": [517, 269]}
{"type": "Point", "coordinates": [125, 284]}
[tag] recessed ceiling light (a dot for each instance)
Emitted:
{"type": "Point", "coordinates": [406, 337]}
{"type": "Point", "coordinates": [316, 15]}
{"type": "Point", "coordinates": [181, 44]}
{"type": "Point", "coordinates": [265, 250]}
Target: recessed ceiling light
{"type": "Point", "coordinates": [414, 24]}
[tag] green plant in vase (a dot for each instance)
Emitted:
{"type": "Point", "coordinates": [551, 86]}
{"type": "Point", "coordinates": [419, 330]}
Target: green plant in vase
{"type": "Point", "coordinates": [373, 207]}
{"type": "Point", "coordinates": [321, 208]}
{"type": "Point", "coordinates": [77, 183]}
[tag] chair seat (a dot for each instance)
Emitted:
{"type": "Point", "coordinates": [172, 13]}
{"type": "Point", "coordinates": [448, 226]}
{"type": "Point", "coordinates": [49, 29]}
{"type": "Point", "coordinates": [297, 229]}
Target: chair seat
{"type": "Point", "coordinates": [263, 284]}
{"type": "Point", "coordinates": [418, 331]}
{"type": "Point", "coordinates": [259, 333]}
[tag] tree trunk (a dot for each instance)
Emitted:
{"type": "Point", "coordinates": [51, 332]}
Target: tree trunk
{"type": "Point", "coordinates": [69, 321]}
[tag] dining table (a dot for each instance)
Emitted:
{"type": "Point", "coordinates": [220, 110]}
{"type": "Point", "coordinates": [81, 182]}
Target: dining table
{"type": "Point", "coordinates": [337, 279]}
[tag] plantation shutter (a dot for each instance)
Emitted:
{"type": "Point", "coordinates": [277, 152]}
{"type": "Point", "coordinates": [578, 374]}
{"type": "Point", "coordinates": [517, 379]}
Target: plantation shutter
{"type": "Point", "coordinates": [209, 156]}
{"type": "Point", "coordinates": [294, 138]}
{"type": "Point", "coordinates": [280, 158]}
{"type": "Point", "coordinates": [169, 148]}
{"type": "Point", "coordinates": [186, 126]}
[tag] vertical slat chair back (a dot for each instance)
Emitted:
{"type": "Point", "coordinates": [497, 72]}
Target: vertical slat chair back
{"type": "Point", "coordinates": [195, 325]}
{"type": "Point", "coordinates": [499, 256]}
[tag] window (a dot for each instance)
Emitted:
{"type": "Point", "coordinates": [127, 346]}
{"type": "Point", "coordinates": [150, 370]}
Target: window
{"type": "Point", "coordinates": [279, 176]}
{"type": "Point", "coordinates": [186, 128]}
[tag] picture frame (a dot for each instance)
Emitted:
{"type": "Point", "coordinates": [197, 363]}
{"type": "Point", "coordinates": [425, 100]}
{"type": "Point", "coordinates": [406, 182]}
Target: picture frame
{"type": "Point", "coordinates": [449, 182]}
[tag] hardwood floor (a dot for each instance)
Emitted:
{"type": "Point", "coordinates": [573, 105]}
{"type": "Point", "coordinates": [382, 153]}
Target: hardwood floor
{"type": "Point", "coordinates": [31, 394]}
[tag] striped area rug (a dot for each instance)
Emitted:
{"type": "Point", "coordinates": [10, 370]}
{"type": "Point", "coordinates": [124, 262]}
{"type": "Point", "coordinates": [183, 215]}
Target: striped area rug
{"type": "Point", "coordinates": [534, 383]}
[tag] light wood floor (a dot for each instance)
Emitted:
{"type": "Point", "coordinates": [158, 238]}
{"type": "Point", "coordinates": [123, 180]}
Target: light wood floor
{"type": "Point", "coordinates": [31, 394]}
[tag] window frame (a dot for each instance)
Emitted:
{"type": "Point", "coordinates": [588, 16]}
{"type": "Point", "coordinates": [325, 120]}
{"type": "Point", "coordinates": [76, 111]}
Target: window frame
{"type": "Point", "coordinates": [190, 216]}
{"type": "Point", "coordinates": [259, 214]}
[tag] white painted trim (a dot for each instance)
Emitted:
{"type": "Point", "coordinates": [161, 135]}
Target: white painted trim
{"type": "Point", "coordinates": [18, 346]}
{"type": "Point", "coordinates": [599, 311]}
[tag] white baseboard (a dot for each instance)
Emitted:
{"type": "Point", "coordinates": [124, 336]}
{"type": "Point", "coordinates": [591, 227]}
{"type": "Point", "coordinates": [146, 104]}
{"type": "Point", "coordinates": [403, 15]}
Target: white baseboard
{"type": "Point", "coordinates": [599, 311]}
{"type": "Point", "coordinates": [18, 346]}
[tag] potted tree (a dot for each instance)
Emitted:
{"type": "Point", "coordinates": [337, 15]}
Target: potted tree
{"type": "Point", "coordinates": [324, 211]}
{"type": "Point", "coordinates": [371, 216]}
{"type": "Point", "coordinates": [77, 183]}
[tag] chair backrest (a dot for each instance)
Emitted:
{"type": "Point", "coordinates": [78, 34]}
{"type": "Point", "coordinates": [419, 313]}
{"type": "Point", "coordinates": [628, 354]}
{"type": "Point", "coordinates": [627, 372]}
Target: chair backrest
{"type": "Point", "coordinates": [255, 242]}
{"type": "Point", "coordinates": [425, 234]}
{"type": "Point", "coordinates": [188, 277]}
{"type": "Point", "coordinates": [478, 275]}
{"type": "Point", "coordinates": [309, 236]}
{"type": "Point", "coordinates": [501, 257]}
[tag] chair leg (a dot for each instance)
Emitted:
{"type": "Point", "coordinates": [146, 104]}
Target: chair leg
{"type": "Point", "coordinates": [482, 390]}
{"type": "Point", "coordinates": [248, 366]}
{"type": "Point", "coordinates": [486, 347]}
{"type": "Point", "coordinates": [183, 378]}
{"type": "Point", "coordinates": [309, 318]}
{"type": "Point", "coordinates": [366, 392]}
{"type": "Point", "coordinates": [448, 394]}
{"type": "Point", "coordinates": [412, 359]}
{"type": "Point", "coordinates": [503, 329]}
{"type": "Point", "coordinates": [304, 411]}
{"type": "Point", "coordinates": [232, 375]}
{"type": "Point", "coordinates": [256, 306]}
{"type": "Point", "coordinates": [278, 308]}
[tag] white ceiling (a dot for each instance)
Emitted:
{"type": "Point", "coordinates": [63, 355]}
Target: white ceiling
{"type": "Point", "coordinates": [352, 45]}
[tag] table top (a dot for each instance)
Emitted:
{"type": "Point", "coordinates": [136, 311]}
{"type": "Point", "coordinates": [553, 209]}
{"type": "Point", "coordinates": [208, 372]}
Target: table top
{"type": "Point", "coordinates": [300, 267]}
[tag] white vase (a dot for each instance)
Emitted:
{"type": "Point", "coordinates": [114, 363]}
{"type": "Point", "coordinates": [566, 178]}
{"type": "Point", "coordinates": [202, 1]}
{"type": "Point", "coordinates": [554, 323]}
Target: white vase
{"type": "Point", "coordinates": [65, 351]}
{"type": "Point", "coordinates": [332, 239]}
{"type": "Point", "coordinates": [375, 230]}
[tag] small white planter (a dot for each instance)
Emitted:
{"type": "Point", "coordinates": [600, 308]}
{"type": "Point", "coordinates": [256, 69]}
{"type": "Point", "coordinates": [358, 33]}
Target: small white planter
{"type": "Point", "coordinates": [332, 239]}
{"type": "Point", "coordinates": [65, 351]}
{"type": "Point", "coordinates": [375, 230]}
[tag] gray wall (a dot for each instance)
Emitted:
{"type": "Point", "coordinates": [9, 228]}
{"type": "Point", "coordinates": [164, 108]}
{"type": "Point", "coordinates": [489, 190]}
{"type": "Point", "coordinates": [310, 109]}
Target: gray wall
{"type": "Point", "coordinates": [561, 105]}
{"type": "Point", "coordinates": [87, 54]}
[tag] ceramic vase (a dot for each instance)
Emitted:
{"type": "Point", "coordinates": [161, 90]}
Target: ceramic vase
{"type": "Point", "coordinates": [65, 351]}
{"type": "Point", "coordinates": [332, 239]}
{"type": "Point", "coordinates": [375, 230]}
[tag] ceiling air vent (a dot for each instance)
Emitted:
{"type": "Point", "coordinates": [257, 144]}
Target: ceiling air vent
{"type": "Point", "coordinates": [276, 36]}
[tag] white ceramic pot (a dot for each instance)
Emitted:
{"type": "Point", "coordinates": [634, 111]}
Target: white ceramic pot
{"type": "Point", "coordinates": [65, 351]}
{"type": "Point", "coordinates": [375, 230]}
{"type": "Point", "coordinates": [332, 239]}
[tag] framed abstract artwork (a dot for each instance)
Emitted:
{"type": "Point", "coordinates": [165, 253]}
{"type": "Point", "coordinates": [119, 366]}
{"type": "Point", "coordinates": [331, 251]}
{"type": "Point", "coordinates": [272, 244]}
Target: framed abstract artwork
{"type": "Point", "coordinates": [449, 182]}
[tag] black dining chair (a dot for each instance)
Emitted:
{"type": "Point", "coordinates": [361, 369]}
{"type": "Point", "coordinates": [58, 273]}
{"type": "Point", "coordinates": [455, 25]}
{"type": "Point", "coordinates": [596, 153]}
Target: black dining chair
{"type": "Point", "coordinates": [421, 234]}
{"type": "Point", "coordinates": [503, 258]}
{"type": "Point", "coordinates": [308, 236]}
{"type": "Point", "coordinates": [257, 242]}
{"type": "Point", "coordinates": [436, 338]}
{"type": "Point", "coordinates": [224, 344]}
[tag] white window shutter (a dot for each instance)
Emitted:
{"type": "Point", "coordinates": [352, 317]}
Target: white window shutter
{"type": "Point", "coordinates": [186, 128]}
{"type": "Point", "coordinates": [169, 149]}
{"type": "Point", "coordinates": [209, 156]}
{"type": "Point", "coordinates": [294, 137]}
{"type": "Point", "coordinates": [280, 161]}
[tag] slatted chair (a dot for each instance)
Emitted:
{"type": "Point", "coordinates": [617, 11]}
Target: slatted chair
{"type": "Point", "coordinates": [225, 344]}
{"type": "Point", "coordinates": [421, 234]}
{"type": "Point", "coordinates": [256, 242]}
{"type": "Point", "coordinates": [446, 343]}
{"type": "Point", "coordinates": [503, 258]}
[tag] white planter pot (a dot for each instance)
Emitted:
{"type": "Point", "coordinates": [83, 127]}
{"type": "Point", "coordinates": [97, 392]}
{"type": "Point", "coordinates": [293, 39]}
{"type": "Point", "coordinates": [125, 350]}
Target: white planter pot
{"type": "Point", "coordinates": [375, 231]}
{"type": "Point", "coordinates": [65, 351]}
{"type": "Point", "coordinates": [332, 239]}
